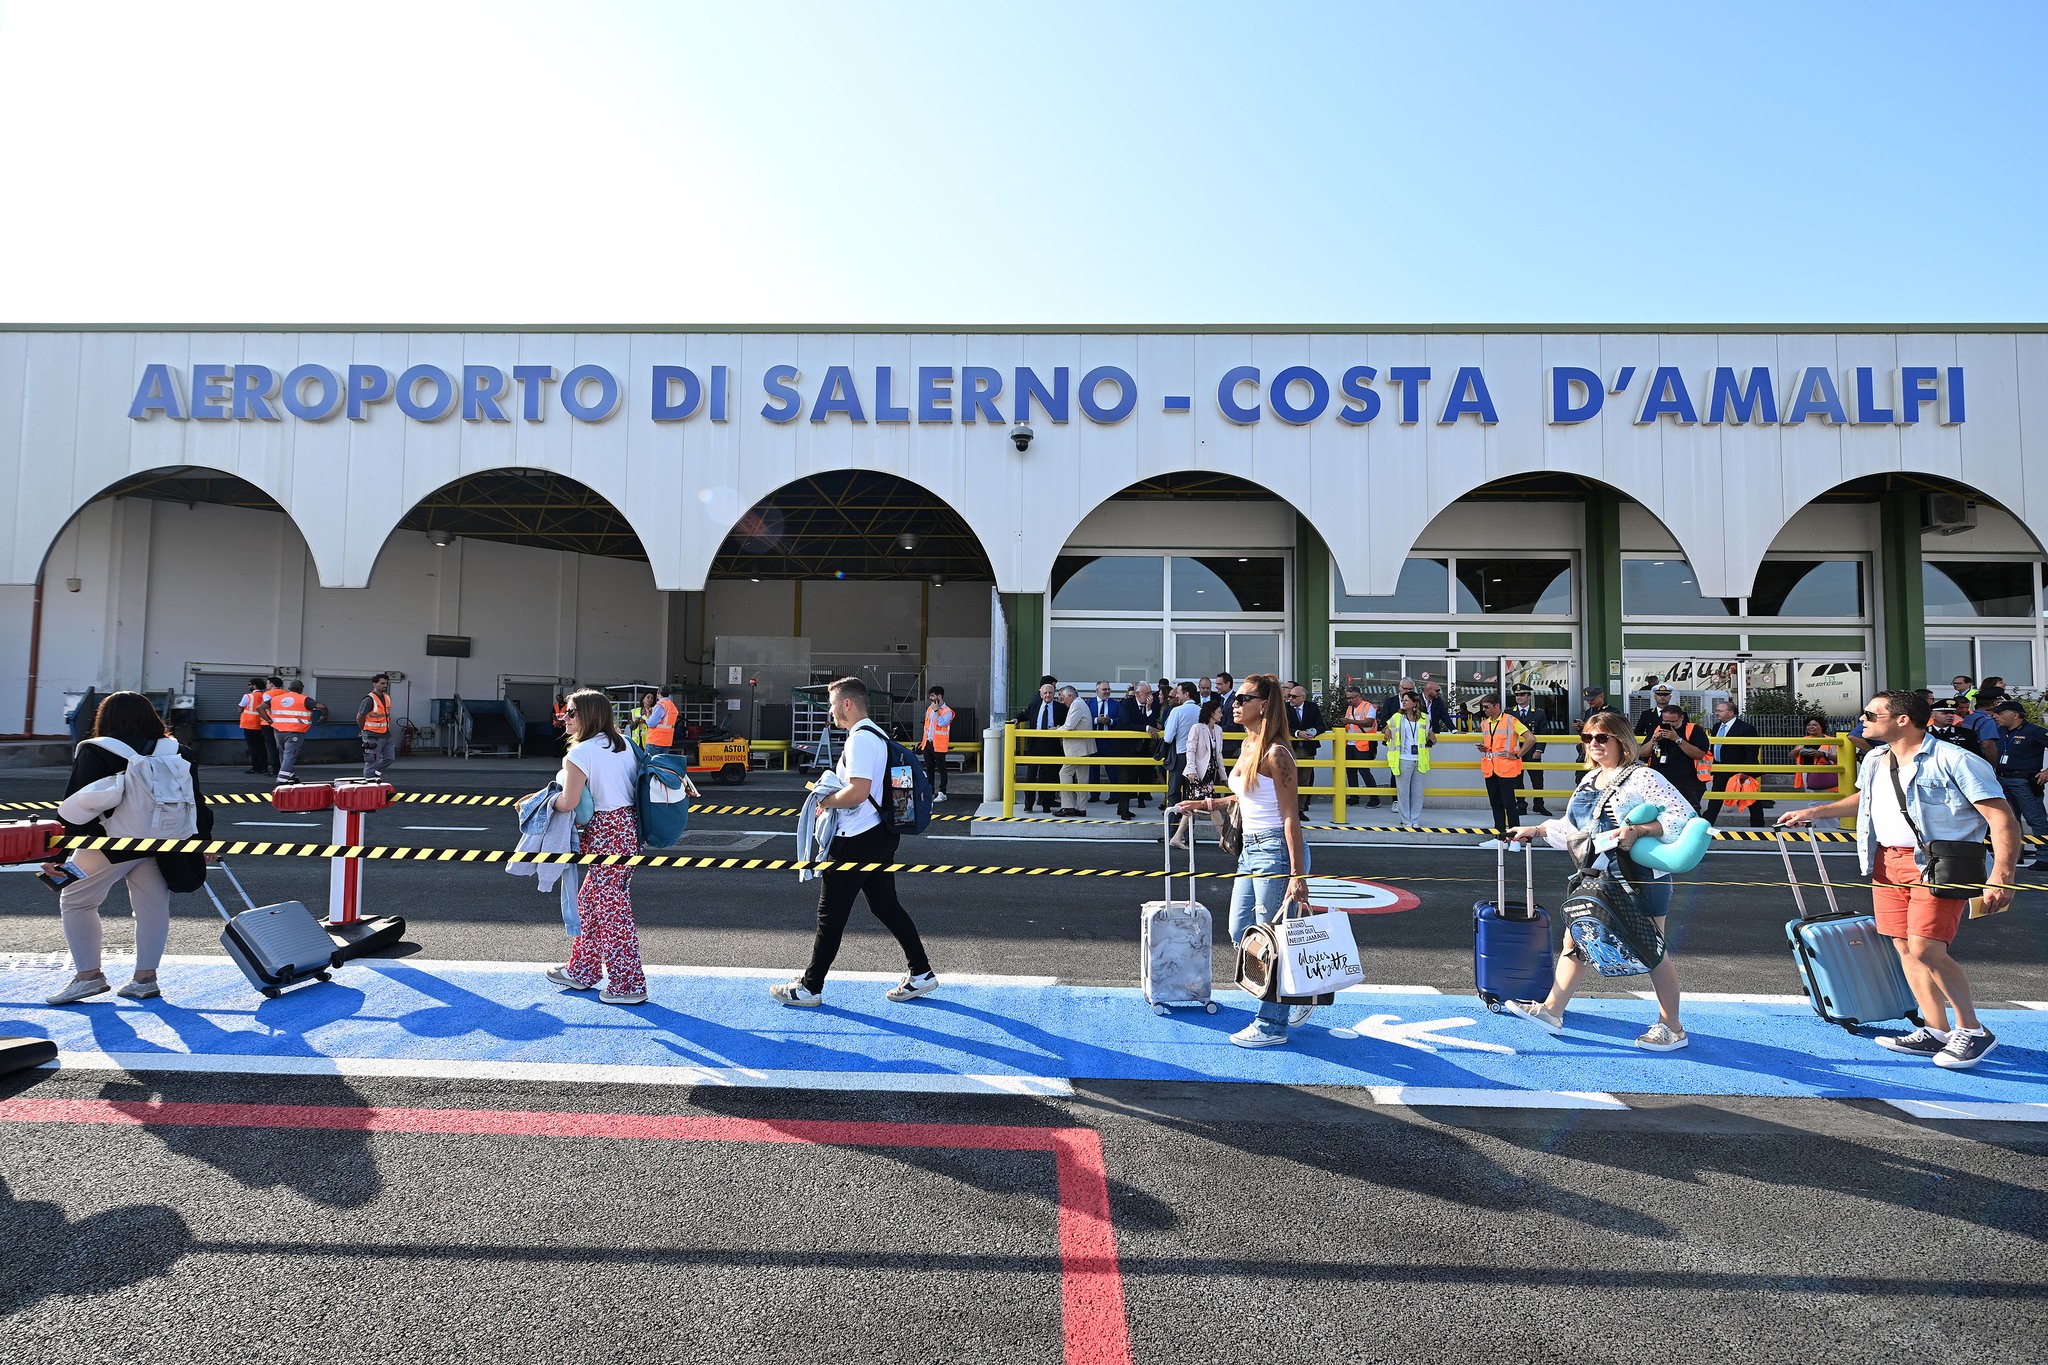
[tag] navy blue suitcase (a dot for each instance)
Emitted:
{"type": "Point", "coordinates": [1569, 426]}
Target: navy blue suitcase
{"type": "Point", "coordinates": [1851, 972]}
{"type": "Point", "coordinates": [1511, 954]}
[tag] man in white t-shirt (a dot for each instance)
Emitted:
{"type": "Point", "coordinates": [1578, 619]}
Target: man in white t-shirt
{"type": "Point", "coordinates": [863, 837]}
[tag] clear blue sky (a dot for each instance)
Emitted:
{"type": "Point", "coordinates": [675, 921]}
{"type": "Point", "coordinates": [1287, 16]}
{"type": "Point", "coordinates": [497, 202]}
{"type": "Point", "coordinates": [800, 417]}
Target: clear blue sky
{"type": "Point", "coordinates": [1026, 163]}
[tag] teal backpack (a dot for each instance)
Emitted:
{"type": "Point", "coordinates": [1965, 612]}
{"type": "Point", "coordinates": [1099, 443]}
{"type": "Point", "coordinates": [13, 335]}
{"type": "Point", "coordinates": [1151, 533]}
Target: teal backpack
{"type": "Point", "coordinates": [661, 797]}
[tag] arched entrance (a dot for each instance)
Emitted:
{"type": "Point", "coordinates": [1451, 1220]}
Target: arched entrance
{"type": "Point", "coordinates": [166, 581]}
{"type": "Point", "coordinates": [505, 585]}
{"type": "Point", "coordinates": [1183, 575]}
{"type": "Point", "coordinates": [848, 573]}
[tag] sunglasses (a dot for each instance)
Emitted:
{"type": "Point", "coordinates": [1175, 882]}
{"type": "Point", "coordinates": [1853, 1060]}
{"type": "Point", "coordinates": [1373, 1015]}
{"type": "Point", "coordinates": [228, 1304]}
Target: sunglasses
{"type": "Point", "coordinates": [1240, 698]}
{"type": "Point", "coordinates": [1595, 737]}
{"type": "Point", "coordinates": [1877, 715]}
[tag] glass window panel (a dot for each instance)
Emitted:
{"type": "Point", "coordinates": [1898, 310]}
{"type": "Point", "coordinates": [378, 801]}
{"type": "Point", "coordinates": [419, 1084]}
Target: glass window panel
{"type": "Point", "coordinates": [1108, 583]}
{"type": "Point", "coordinates": [1639, 676]}
{"type": "Point", "coordinates": [1255, 651]}
{"type": "Point", "coordinates": [1946, 660]}
{"type": "Point", "coordinates": [1425, 588]}
{"type": "Point", "coordinates": [1836, 688]}
{"type": "Point", "coordinates": [1514, 587]}
{"type": "Point", "coordinates": [1666, 587]}
{"type": "Point", "coordinates": [1197, 654]}
{"type": "Point", "coordinates": [1549, 680]}
{"type": "Point", "coordinates": [1229, 583]}
{"type": "Point", "coordinates": [1122, 654]}
{"type": "Point", "coordinates": [2012, 660]}
{"type": "Point", "coordinates": [1376, 676]}
{"type": "Point", "coordinates": [1977, 587]}
{"type": "Point", "coordinates": [1809, 587]}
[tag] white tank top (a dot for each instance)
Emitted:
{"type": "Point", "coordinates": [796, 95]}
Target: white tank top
{"type": "Point", "coordinates": [1258, 805]}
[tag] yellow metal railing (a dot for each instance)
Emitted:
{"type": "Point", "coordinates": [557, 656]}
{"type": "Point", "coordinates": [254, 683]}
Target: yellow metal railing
{"type": "Point", "coordinates": [1344, 761]}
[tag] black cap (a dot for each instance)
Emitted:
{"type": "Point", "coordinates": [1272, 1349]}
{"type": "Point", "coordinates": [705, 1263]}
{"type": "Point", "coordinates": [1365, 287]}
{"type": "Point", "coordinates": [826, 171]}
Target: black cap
{"type": "Point", "coordinates": [2011, 706]}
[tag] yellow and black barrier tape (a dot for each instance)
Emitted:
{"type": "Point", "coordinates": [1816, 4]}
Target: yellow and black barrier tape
{"type": "Point", "coordinates": [254, 848]}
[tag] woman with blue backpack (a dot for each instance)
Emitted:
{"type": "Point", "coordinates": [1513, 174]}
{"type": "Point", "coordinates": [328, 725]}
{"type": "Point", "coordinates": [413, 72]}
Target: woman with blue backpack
{"type": "Point", "coordinates": [599, 759]}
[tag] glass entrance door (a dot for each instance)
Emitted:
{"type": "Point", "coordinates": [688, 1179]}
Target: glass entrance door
{"type": "Point", "coordinates": [1240, 653]}
{"type": "Point", "coordinates": [1465, 677]}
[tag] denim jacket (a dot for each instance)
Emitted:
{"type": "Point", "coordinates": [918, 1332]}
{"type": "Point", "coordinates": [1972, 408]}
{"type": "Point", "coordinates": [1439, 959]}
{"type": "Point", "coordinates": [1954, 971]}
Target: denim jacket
{"type": "Point", "coordinates": [1943, 784]}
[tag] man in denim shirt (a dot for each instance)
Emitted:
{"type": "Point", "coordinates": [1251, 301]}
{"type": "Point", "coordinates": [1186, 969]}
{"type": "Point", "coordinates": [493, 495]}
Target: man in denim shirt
{"type": "Point", "coordinates": [1950, 794]}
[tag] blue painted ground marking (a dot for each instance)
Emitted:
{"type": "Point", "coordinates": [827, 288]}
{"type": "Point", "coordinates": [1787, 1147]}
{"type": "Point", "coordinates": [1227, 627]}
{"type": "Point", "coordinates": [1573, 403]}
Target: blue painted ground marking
{"type": "Point", "coordinates": [423, 1014]}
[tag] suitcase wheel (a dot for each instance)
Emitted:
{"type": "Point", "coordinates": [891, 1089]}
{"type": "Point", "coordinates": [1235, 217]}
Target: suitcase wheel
{"type": "Point", "coordinates": [323, 976]}
{"type": "Point", "coordinates": [271, 992]}
{"type": "Point", "coordinates": [1159, 1009]}
{"type": "Point", "coordinates": [1209, 1008]}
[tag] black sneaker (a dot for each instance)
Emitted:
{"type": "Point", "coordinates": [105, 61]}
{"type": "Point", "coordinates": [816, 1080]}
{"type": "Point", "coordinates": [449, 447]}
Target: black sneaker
{"type": "Point", "coordinates": [1919, 1043]}
{"type": "Point", "coordinates": [1965, 1050]}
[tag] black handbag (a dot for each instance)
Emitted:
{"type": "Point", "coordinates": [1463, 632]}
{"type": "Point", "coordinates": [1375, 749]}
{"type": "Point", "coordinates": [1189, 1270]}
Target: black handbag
{"type": "Point", "coordinates": [1230, 833]}
{"type": "Point", "coordinates": [1955, 867]}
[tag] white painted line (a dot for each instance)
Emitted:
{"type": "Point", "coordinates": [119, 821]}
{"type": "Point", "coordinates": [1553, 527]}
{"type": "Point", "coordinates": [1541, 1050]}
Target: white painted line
{"type": "Point", "coordinates": [1973, 1109]}
{"type": "Point", "coordinates": [561, 1072]}
{"type": "Point", "coordinates": [1042, 839]}
{"type": "Point", "coordinates": [1390, 990]}
{"type": "Point", "coordinates": [1418, 1096]}
{"type": "Point", "coordinates": [1730, 998]}
{"type": "Point", "coordinates": [450, 829]}
{"type": "Point", "coordinates": [2032, 1004]}
{"type": "Point", "coordinates": [434, 966]}
{"type": "Point", "coordinates": [22, 867]}
{"type": "Point", "coordinates": [275, 824]}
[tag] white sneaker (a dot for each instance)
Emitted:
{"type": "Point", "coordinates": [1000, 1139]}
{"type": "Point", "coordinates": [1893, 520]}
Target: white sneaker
{"type": "Point", "coordinates": [796, 993]}
{"type": "Point", "coordinates": [1662, 1039]}
{"type": "Point", "coordinates": [1533, 1011]}
{"type": "Point", "coordinates": [141, 990]}
{"type": "Point", "coordinates": [911, 987]}
{"type": "Point", "coordinates": [623, 997]}
{"type": "Point", "coordinates": [938, 797]}
{"type": "Point", "coordinates": [77, 990]}
{"type": "Point", "coordinates": [1299, 1015]}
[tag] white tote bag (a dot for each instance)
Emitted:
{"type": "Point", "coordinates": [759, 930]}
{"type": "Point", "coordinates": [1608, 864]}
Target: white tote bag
{"type": "Point", "coordinates": [1318, 954]}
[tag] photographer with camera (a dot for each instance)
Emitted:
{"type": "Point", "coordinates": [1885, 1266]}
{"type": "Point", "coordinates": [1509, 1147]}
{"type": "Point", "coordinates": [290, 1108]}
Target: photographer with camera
{"type": "Point", "coordinates": [1677, 750]}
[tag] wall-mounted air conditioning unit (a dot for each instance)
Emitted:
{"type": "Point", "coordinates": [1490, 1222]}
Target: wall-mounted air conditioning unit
{"type": "Point", "coordinates": [1948, 513]}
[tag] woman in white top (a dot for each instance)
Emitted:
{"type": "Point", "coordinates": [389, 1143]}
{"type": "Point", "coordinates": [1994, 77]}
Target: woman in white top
{"type": "Point", "coordinates": [1265, 787]}
{"type": "Point", "coordinates": [1611, 747]}
{"type": "Point", "coordinates": [1205, 755]}
{"type": "Point", "coordinates": [608, 947]}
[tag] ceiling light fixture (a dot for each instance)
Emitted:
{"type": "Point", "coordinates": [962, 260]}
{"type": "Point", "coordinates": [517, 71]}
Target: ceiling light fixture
{"type": "Point", "coordinates": [907, 541]}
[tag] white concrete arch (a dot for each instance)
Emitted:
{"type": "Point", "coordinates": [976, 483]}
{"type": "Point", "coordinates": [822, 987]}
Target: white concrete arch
{"type": "Point", "coordinates": [378, 552]}
{"type": "Point", "coordinates": [27, 571]}
{"type": "Point", "coordinates": [712, 534]}
{"type": "Point", "coordinates": [1050, 539]}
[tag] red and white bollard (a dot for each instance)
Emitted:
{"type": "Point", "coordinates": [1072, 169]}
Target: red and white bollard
{"type": "Point", "coordinates": [350, 799]}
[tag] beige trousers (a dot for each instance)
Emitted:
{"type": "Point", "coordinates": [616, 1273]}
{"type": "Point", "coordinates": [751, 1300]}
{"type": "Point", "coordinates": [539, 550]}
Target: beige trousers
{"type": "Point", "coordinates": [148, 899]}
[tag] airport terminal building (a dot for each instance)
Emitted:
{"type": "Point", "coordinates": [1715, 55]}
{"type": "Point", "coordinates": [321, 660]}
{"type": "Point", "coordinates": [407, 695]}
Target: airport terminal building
{"type": "Point", "coordinates": [1790, 516]}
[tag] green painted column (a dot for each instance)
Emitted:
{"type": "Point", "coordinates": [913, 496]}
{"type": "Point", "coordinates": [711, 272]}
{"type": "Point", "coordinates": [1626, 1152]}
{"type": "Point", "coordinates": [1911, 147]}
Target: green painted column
{"type": "Point", "coordinates": [1902, 658]}
{"type": "Point", "coordinates": [1027, 645]}
{"type": "Point", "coordinates": [1601, 628]}
{"type": "Point", "coordinates": [1311, 607]}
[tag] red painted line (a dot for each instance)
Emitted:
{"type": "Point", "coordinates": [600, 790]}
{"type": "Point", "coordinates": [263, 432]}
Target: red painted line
{"type": "Point", "coordinates": [1096, 1326]}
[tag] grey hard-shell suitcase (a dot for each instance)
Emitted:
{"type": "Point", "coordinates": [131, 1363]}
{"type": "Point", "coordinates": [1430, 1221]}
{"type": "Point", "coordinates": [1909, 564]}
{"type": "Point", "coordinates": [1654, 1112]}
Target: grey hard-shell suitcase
{"type": "Point", "coordinates": [276, 946]}
{"type": "Point", "coordinates": [1851, 972]}
{"type": "Point", "coordinates": [1177, 950]}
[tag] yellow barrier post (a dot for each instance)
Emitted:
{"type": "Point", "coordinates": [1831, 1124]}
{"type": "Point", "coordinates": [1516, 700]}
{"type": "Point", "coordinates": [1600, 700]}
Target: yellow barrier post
{"type": "Point", "coordinates": [1849, 765]}
{"type": "Point", "coordinates": [1009, 769]}
{"type": "Point", "coordinates": [1340, 777]}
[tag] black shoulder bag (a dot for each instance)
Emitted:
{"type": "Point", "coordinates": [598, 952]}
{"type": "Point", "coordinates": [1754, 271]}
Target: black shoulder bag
{"type": "Point", "coordinates": [1955, 867]}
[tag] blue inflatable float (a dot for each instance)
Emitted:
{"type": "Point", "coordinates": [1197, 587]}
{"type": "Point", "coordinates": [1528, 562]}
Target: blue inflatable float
{"type": "Point", "coordinates": [1681, 854]}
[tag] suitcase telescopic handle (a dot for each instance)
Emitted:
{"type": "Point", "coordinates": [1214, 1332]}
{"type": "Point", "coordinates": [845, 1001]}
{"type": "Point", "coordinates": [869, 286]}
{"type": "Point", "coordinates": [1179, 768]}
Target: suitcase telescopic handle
{"type": "Point", "coordinates": [1500, 877]}
{"type": "Point", "coordinates": [1791, 873]}
{"type": "Point", "coordinates": [235, 882]}
{"type": "Point", "coordinates": [1166, 850]}
{"type": "Point", "coordinates": [1827, 886]}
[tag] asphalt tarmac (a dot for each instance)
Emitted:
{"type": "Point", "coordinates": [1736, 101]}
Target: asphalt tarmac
{"type": "Point", "coordinates": [1249, 1221]}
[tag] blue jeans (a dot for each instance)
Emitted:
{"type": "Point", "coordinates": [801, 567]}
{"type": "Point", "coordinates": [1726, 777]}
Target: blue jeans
{"type": "Point", "coordinates": [2026, 803]}
{"type": "Point", "coordinates": [1257, 900]}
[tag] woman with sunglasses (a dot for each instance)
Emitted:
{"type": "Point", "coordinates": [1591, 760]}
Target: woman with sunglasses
{"type": "Point", "coordinates": [1265, 788]}
{"type": "Point", "coordinates": [1611, 750]}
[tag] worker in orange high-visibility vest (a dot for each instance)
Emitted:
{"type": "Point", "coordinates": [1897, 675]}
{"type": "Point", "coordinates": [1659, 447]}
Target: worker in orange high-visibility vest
{"type": "Point", "coordinates": [1362, 718]}
{"type": "Point", "coordinates": [252, 704]}
{"type": "Point", "coordinates": [379, 736]}
{"type": "Point", "coordinates": [661, 724]}
{"type": "Point", "coordinates": [936, 736]}
{"type": "Point", "coordinates": [272, 744]}
{"type": "Point", "coordinates": [293, 714]}
{"type": "Point", "coordinates": [1503, 743]}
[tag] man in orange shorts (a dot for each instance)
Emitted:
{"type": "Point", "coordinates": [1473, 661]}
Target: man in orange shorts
{"type": "Point", "coordinates": [1916, 791]}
